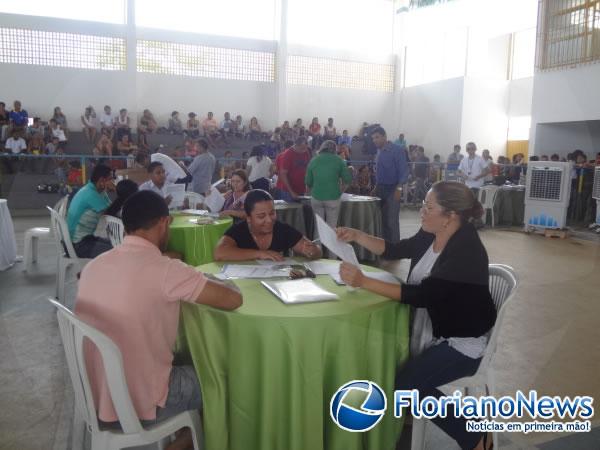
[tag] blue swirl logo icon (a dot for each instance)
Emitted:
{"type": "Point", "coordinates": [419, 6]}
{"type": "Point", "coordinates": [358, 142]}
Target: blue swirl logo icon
{"type": "Point", "coordinates": [358, 405]}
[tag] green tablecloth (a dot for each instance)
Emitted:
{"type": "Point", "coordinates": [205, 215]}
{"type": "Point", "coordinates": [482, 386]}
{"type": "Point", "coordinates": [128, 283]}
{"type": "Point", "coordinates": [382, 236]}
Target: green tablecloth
{"type": "Point", "coordinates": [268, 370]}
{"type": "Point", "coordinates": [196, 242]}
{"type": "Point", "coordinates": [509, 207]}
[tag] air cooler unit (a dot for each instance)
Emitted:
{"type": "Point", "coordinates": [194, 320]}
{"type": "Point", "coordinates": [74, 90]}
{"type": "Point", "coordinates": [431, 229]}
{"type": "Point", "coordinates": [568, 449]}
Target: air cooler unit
{"type": "Point", "coordinates": [596, 193]}
{"type": "Point", "coordinates": [547, 195]}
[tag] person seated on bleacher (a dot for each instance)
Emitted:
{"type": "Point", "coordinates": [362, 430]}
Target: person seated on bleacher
{"type": "Point", "coordinates": [3, 121]}
{"type": "Point", "coordinates": [238, 127]}
{"type": "Point", "coordinates": [211, 130]}
{"type": "Point", "coordinates": [234, 199]}
{"type": "Point", "coordinates": [123, 124]}
{"type": "Point", "coordinates": [286, 132]}
{"type": "Point", "coordinates": [61, 120]}
{"type": "Point", "coordinates": [18, 118]}
{"type": "Point", "coordinates": [175, 125]}
{"type": "Point", "coordinates": [192, 128]}
{"type": "Point", "coordinates": [125, 146]}
{"type": "Point", "coordinates": [329, 130]}
{"type": "Point", "coordinates": [14, 145]}
{"type": "Point", "coordinates": [36, 128]}
{"type": "Point", "coordinates": [146, 126]}
{"type": "Point", "coordinates": [107, 123]}
{"type": "Point", "coordinates": [56, 131]}
{"type": "Point", "coordinates": [84, 212]}
{"type": "Point", "coordinates": [88, 120]}
{"type": "Point", "coordinates": [261, 235]}
{"type": "Point", "coordinates": [103, 147]}
{"type": "Point", "coordinates": [227, 125]}
{"type": "Point", "coordinates": [133, 295]}
{"type": "Point", "coordinates": [345, 139]}
{"type": "Point", "coordinates": [254, 130]}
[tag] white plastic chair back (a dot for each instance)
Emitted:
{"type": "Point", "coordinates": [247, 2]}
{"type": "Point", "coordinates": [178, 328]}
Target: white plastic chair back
{"type": "Point", "coordinates": [61, 234]}
{"type": "Point", "coordinates": [487, 198]}
{"type": "Point", "coordinates": [73, 332]}
{"type": "Point", "coordinates": [503, 282]}
{"type": "Point", "coordinates": [194, 199]}
{"type": "Point", "coordinates": [61, 206]}
{"type": "Point", "coordinates": [115, 230]}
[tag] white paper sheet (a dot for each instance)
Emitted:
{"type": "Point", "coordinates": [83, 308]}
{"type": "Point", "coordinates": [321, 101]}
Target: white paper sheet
{"type": "Point", "coordinates": [177, 192]}
{"type": "Point", "coordinates": [172, 169]}
{"type": "Point", "coordinates": [253, 271]}
{"type": "Point", "coordinates": [285, 262]}
{"type": "Point", "coordinates": [324, 267]}
{"type": "Point", "coordinates": [329, 239]}
{"type": "Point", "coordinates": [215, 200]}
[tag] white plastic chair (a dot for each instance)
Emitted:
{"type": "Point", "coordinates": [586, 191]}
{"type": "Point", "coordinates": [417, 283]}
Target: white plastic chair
{"type": "Point", "coordinates": [33, 235]}
{"type": "Point", "coordinates": [115, 230]}
{"type": "Point", "coordinates": [503, 282]}
{"type": "Point", "coordinates": [487, 198]}
{"type": "Point", "coordinates": [73, 332]}
{"type": "Point", "coordinates": [194, 199]}
{"type": "Point", "coordinates": [62, 238]}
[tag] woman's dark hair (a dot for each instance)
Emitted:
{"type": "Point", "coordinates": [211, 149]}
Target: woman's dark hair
{"type": "Point", "coordinates": [258, 151]}
{"type": "Point", "coordinates": [244, 176]}
{"type": "Point", "coordinates": [253, 197]}
{"type": "Point", "coordinates": [100, 171]}
{"type": "Point", "coordinates": [143, 210]}
{"type": "Point", "coordinates": [456, 197]}
{"type": "Point", "coordinates": [125, 189]}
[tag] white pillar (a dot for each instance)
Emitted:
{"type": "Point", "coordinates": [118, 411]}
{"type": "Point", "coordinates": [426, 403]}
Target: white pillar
{"type": "Point", "coordinates": [131, 61]}
{"type": "Point", "coordinates": [281, 65]}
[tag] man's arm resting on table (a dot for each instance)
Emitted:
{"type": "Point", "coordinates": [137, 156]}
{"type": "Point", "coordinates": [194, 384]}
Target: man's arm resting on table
{"type": "Point", "coordinates": [220, 295]}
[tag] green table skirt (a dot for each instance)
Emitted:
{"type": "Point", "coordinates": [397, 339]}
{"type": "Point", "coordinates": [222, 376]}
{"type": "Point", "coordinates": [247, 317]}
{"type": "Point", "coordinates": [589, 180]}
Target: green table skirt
{"type": "Point", "coordinates": [196, 242]}
{"type": "Point", "coordinates": [268, 370]}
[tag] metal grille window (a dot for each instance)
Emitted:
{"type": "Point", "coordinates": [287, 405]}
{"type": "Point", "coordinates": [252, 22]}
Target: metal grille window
{"type": "Point", "coordinates": [545, 183]}
{"type": "Point", "coordinates": [335, 73]}
{"type": "Point", "coordinates": [568, 33]}
{"type": "Point", "coordinates": [45, 48]}
{"type": "Point", "coordinates": [208, 62]}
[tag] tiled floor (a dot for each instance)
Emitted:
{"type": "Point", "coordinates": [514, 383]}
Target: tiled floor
{"type": "Point", "coordinates": [551, 341]}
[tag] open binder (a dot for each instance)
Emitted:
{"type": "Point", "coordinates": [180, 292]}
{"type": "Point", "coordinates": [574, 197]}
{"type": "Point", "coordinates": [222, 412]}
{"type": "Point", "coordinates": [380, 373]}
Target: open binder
{"type": "Point", "coordinates": [299, 291]}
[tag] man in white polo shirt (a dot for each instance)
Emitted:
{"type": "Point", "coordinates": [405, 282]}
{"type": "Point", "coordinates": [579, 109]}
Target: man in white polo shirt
{"type": "Point", "coordinates": [473, 169]}
{"type": "Point", "coordinates": [15, 144]}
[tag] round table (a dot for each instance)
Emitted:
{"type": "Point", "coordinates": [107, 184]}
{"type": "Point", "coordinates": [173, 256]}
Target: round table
{"type": "Point", "coordinates": [509, 206]}
{"type": "Point", "coordinates": [8, 243]}
{"type": "Point", "coordinates": [268, 370]}
{"type": "Point", "coordinates": [292, 214]}
{"type": "Point", "coordinates": [196, 242]}
{"type": "Point", "coordinates": [356, 211]}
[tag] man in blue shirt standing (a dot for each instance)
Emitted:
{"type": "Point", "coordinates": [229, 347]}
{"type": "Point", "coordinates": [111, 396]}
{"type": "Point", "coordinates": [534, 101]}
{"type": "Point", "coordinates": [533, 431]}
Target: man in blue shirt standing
{"type": "Point", "coordinates": [391, 172]}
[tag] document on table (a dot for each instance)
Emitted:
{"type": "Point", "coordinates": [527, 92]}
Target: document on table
{"type": "Point", "coordinates": [177, 193]}
{"type": "Point", "coordinates": [253, 271]}
{"type": "Point", "coordinates": [215, 200]}
{"type": "Point", "coordinates": [285, 262]}
{"type": "Point", "coordinates": [299, 291]}
{"type": "Point", "coordinates": [329, 239]}
{"type": "Point", "coordinates": [324, 267]}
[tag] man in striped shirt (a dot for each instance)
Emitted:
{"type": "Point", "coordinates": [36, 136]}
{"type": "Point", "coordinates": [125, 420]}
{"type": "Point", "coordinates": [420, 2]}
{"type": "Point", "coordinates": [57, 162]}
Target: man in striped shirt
{"type": "Point", "coordinates": [85, 211]}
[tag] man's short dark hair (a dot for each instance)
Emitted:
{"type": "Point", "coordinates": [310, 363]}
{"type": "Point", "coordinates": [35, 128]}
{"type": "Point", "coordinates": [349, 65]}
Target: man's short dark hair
{"type": "Point", "coordinates": [300, 140]}
{"type": "Point", "coordinates": [203, 143]}
{"type": "Point", "coordinates": [255, 196]}
{"type": "Point", "coordinates": [143, 210]}
{"type": "Point", "coordinates": [100, 171]}
{"type": "Point", "coordinates": [154, 165]}
{"type": "Point", "coordinates": [378, 130]}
